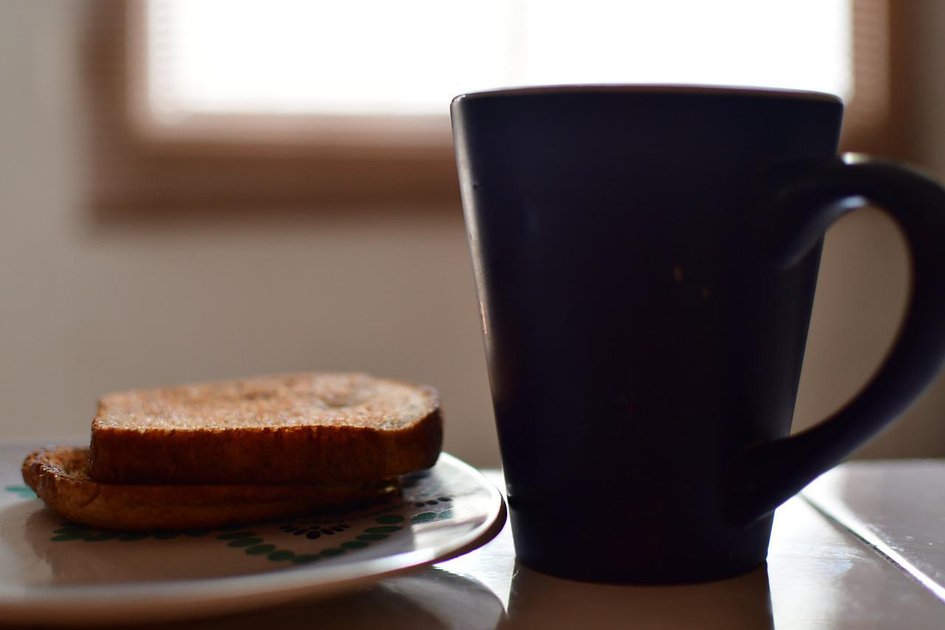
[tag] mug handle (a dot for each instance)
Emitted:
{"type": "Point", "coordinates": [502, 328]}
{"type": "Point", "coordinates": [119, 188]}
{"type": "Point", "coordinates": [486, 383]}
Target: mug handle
{"type": "Point", "coordinates": [804, 199]}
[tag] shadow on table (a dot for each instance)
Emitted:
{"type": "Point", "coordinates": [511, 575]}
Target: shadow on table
{"type": "Point", "coordinates": [542, 601]}
{"type": "Point", "coordinates": [427, 600]}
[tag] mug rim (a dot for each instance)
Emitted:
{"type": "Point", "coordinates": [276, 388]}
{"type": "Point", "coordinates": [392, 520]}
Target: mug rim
{"type": "Point", "coordinates": [659, 89]}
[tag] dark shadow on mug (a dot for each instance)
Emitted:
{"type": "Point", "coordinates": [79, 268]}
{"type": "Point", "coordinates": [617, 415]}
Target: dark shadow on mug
{"type": "Point", "coordinates": [541, 601]}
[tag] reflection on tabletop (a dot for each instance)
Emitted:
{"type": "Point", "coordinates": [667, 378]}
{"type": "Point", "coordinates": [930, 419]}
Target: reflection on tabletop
{"type": "Point", "coordinates": [539, 601]}
{"type": "Point", "coordinates": [896, 507]}
{"type": "Point", "coordinates": [429, 599]}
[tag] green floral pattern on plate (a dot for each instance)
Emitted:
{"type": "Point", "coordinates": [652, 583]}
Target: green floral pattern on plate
{"type": "Point", "coordinates": [315, 535]}
{"type": "Point", "coordinates": [22, 491]}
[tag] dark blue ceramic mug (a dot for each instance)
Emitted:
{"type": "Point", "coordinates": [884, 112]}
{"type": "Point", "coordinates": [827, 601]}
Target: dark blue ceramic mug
{"type": "Point", "coordinates": [646, 259]}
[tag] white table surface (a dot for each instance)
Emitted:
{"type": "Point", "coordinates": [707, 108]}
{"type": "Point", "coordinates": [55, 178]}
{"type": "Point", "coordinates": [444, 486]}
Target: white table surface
{"type": "Point", "coordinates": [819, 574]}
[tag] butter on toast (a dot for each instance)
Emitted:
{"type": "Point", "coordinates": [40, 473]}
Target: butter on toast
{"type": "Point", "coordinates": [292, 428]}
{"type": "Point", "coordinates": [59, 476]}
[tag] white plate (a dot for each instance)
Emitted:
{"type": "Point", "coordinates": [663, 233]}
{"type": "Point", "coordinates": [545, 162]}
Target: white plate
{"type": "Point", "coordinates": [54, 571]}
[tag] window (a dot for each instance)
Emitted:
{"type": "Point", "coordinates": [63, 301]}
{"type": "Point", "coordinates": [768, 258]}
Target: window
{"type": "Point", "coordinates": [235, 103]}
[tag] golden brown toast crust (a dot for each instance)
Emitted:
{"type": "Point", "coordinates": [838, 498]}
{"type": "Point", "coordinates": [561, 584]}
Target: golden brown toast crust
{"type": "Point", "coordinates": [294, 428]}
{"type": "Point", "coordinates": [59, 476]}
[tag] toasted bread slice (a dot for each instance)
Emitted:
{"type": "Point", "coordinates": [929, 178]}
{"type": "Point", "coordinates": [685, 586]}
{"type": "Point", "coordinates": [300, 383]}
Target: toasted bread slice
{"type": "Point", "coordinates": [59, 476]}
{"type": "Point", "coordinates": [295, 428]}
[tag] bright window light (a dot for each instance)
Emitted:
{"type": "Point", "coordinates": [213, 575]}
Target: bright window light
{"type": "Point", "coordinates": [410, 57]}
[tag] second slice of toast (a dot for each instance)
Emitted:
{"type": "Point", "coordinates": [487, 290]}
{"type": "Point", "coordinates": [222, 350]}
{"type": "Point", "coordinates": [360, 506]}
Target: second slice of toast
{"type": "Point", "coordinates": [59, 476]}
{"type": "Point", "coordinates": [293, 428]}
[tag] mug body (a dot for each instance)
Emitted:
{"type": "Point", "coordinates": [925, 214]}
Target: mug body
{"type": "Point", "coordinates": [637, 337]}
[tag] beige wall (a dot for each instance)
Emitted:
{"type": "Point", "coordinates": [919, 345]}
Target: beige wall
{"type": "Point", "coordinates": [87, 309]}
{"type": "Point", "coordinates": [862, 287]}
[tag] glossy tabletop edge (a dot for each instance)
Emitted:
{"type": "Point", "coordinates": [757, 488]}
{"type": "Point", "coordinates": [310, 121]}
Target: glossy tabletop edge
{"type": "Point", "coordinates": [894, 507]}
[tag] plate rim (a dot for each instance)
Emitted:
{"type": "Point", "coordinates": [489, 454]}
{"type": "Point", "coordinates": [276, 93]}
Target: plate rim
{"type": "Point", "coordinates": [166, 600]}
